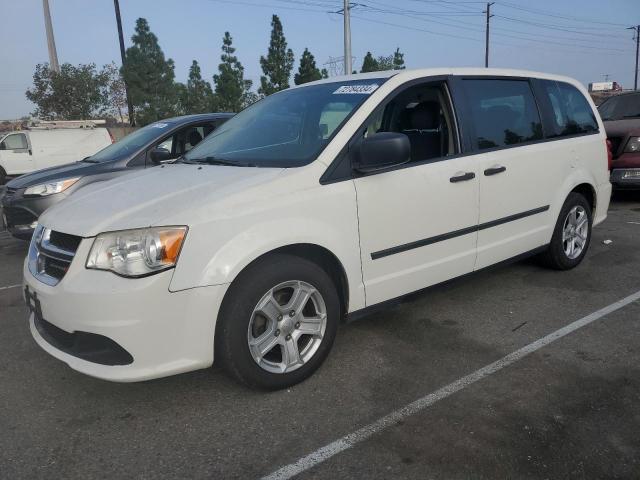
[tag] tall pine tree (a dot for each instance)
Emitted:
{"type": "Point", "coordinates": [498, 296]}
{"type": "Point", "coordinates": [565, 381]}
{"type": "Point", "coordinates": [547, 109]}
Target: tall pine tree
{"type": "Point", "coordinates": [278, 63]}
{"type": "Point", "coordinates": [398, 60]}
{"type": "Point", "coordinates": [369, 64]}
{"type": "Point", "coordinates": [308, 71]}
{"type": "Point", "coordinates": [232, 90]}
{"type": "Point", "coordinates": [198, 96]}
{"type": "Point", "coordinates": [149, 76]}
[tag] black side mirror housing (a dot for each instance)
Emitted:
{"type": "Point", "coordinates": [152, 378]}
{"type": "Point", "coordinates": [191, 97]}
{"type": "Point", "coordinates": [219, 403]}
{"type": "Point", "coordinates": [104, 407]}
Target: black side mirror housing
{"type": "Point", "coordinates": [159, 155]}
{"type": "Point", "coordinates": [382, 151]}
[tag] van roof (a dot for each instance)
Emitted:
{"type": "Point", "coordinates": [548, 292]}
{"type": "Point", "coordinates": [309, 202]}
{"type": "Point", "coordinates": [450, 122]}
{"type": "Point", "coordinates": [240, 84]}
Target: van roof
{"type": "Point", "coordinates": [409, 74]}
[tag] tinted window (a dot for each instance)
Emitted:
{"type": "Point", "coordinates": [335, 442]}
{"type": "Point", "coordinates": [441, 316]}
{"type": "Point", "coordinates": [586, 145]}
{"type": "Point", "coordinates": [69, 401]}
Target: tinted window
{"type": "Point", "coordinates": [504, 112]}
{"type": "Point", "coordinates": [572, 113]}
{"type": "Point", "coordinates": [17, 141]}
{"type": "Point", "coordinates": [619, 107]}
{"type": "Point", "coordinates": [132, 142]}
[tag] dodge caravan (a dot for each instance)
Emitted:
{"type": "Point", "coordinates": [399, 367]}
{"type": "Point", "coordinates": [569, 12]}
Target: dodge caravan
{"type": "Point", "coordinates": [316, 204]}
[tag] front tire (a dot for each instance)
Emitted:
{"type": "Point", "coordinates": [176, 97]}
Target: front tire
{"type": "Point", "coordinates": [572, 234]}
{"type": "Point", "coordinates": [278, 322]}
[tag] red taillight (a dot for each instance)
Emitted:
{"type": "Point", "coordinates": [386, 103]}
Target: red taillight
{"type": "Point", "coordinates": [609, 155]}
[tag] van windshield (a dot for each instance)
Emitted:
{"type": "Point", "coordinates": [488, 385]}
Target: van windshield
{"type": "Point", "coordinates": [286, 129]}
{"type": "Point", "coordinates": [131, 143]}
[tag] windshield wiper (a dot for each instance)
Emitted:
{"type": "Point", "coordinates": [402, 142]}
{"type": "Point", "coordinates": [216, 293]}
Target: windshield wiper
{"type": "Point", "coordinates": [217, 161]}
{"type": "Point", "coordinates": [631, 116]}
{"type": "Point", "coordinates": [88, 160]}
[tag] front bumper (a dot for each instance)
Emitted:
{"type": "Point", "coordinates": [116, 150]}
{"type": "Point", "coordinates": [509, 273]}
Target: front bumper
{"type": "Point", "coordinates": [21, 213]}
{"type": "Point", "coordinates": [626, 177]}
{"type": "Point", "coordinates": [164, 332]}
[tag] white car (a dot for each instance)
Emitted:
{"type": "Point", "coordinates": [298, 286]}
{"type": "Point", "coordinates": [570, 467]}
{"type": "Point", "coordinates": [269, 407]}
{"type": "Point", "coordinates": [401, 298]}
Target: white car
{"type": "Point", "coordinates": [316, 204]}
{"type": "Point", "coordinates": [30, 150]}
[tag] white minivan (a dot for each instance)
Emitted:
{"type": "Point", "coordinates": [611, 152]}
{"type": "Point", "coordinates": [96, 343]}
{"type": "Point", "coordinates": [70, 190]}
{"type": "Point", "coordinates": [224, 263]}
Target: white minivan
{"type": "Point", "coordinates": [29, 150]}
{"type": "Point", "coordinates": [315, 205]}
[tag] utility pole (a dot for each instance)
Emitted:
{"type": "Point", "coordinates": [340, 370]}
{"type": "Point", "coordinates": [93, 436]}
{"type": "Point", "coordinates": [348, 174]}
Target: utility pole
{"type": "Point", "coordinates": [116, 4]}
{"type": "Point", "coordinates": [51, 43]}
{"type": "Point", "coordinates": [347, 38]}
{"type": "Point", "coordinates": [486, 49]}
{"type": "Point", "coordinates": [636, 30]}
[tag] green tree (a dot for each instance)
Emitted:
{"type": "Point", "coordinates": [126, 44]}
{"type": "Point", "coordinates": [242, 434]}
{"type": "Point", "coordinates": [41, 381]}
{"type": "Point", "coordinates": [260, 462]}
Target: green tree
{"type": "Point", "coordinates": [385, 62]}
{"type": "Point", "coordinates": [232, 90]}
{"type": "Point", "coordinates": [73, 94]}
{"type": "Point", "coordinates": [324, 73]}
{"type": "Point", "coordinates": [398, 60]}
{"type": "Point", "coordinates": [197, 96]}
{"type": "Point", "coordinates": [308, 71]}
{"type": "Point", "coordinates": [278, 64]}
{"type": "Point", "coordinates": [369, 64]}
{"type": "Point", "coordinates": [150, 77]}
{"type": "Point", "coordinates": [116, 92]}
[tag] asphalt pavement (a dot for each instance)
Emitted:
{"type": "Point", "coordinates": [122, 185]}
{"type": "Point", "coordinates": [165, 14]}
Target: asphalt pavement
{"type": "Point", "coordinates": [569, 409]}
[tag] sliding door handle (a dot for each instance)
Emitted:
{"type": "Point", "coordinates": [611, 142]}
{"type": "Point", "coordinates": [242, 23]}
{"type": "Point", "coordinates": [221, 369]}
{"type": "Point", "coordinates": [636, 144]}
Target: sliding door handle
{"type": "Point", "coordinates": [494, 171]}
{"type": "Point", "coordinates": [462, 177]}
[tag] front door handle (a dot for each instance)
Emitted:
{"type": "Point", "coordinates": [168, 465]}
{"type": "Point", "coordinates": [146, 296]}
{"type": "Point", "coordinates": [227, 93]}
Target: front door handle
{"type": "Point", "coordinates": [462, 177]}
{"type": "Point", "coordinates": [494, 171]}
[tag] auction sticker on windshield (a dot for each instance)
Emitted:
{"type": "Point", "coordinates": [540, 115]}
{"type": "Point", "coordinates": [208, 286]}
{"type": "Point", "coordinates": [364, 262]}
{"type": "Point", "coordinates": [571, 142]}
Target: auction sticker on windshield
{"type": "Point", "coordinates": [357, 89]}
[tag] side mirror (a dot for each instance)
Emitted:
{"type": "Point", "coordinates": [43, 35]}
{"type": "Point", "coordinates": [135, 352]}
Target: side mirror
{"type": "Point", "coordinates": [381, 151]}
{"type": "Point", "coordinates": [159, 155]}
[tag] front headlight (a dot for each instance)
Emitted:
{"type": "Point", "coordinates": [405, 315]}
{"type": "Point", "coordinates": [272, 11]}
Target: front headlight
{"type": "Point", "coordinates": [50, 188]}
{"type": "Point", "coordinates": [136, 253]}
{"type": "Point", "coordinates": [633, 145]}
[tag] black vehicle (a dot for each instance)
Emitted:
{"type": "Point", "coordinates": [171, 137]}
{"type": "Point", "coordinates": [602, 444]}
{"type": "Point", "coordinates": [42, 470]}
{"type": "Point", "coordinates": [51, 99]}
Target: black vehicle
{"type": "Point", "coordinates": [28, 196]}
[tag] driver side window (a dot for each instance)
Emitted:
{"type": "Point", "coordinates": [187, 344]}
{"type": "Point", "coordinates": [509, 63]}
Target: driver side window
{"type": "Point", "coordinates": [183, 140]}
{"type": "Point", "coordinates": [424, 115]}
{"type": "Point", "coordinates": [16, 142]}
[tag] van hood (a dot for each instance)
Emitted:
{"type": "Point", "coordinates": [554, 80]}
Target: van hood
{"type": "Point", "coordinates": [149, 197]}
{"type": "Point", "coordinates": [620, 128]}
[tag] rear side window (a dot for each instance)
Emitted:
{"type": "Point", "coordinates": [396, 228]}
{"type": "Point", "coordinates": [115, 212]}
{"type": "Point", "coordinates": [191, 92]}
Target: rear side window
{"type": "Point", "coordinates": [504, 112]}
{"type": "Point", "coordinates": [571, 112]}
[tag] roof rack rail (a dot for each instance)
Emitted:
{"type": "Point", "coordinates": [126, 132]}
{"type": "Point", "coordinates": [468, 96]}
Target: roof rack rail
{"type": "Point", "coordinates": [62, 124]}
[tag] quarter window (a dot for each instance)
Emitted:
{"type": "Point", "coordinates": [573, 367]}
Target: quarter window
{"type": "Point", "coordinates": [504, 112]}
{"type": "Point", "coordinates": [16, 141]}
{"type": "Point", "coordinates": [572, 114]}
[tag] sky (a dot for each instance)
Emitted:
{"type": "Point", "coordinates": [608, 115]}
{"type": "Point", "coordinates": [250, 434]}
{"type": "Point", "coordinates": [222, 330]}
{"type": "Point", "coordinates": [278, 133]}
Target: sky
{"type": "Point", "coordinates": [584, 39]}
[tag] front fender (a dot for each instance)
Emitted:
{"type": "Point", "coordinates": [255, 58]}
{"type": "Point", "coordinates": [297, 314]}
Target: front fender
{"type": "Point", "coordinates": [216, 252]}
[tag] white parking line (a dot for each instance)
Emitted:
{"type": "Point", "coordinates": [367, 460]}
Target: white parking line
{"type": "Point", "coordinates": [10, 286]}
{"type": "Point", "coordinates": [350, 440]}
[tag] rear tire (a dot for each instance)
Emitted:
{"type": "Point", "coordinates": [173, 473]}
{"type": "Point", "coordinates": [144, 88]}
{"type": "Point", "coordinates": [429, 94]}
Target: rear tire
{"type": "Point", "coordinates": [278, 322]}
{"type": "Point", "coordinates": [571, 236]}
{"type": "Point", "coordinates": [3, 176]}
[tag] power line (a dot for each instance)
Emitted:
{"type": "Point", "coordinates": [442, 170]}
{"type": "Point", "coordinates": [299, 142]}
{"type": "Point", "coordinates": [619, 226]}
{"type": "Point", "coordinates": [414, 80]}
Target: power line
{"type": "Point", "coordinates": [406, 27]}
{"type": "Point", "coordinates": [538, 38]}
{"type": "Point", "coordinates": [565, 17]}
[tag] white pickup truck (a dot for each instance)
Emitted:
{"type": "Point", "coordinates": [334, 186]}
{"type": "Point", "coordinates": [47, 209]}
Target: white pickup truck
{"type": "Point", "coordinates": [29, 150]}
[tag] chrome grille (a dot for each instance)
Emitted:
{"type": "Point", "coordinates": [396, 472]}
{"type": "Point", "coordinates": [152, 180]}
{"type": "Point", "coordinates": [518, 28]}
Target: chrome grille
{"type": "Point", "coordinates": [51, 254]}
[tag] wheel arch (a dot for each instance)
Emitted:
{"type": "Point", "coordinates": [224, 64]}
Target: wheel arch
{"type": "Point", "coordinates": [589, 192]}
{"type": "Point", "coordinates": [321, 256]}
